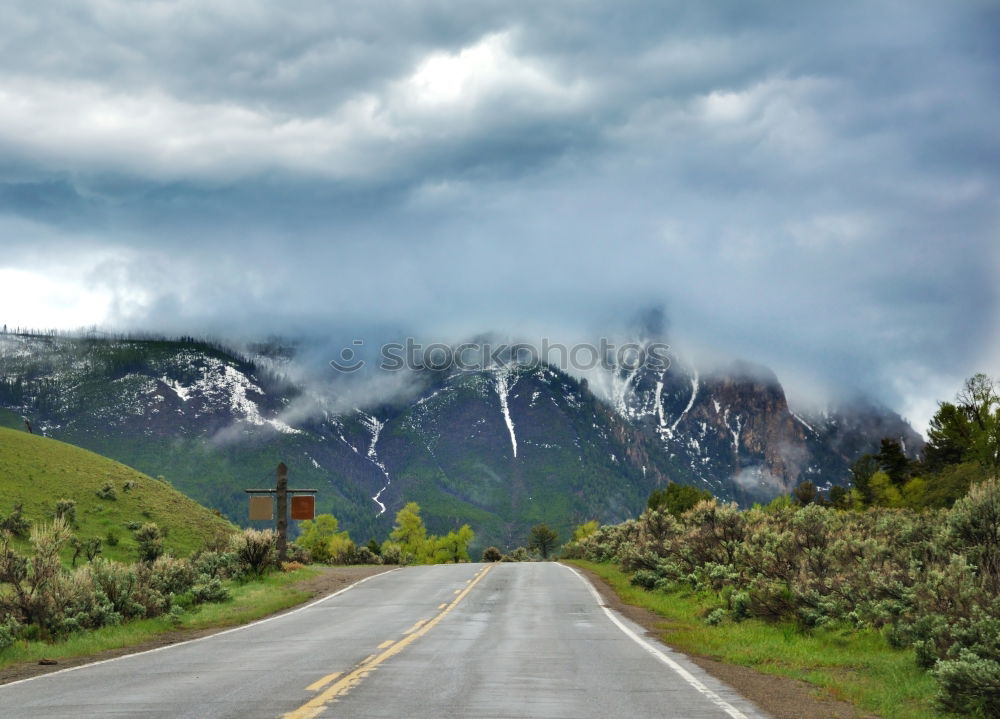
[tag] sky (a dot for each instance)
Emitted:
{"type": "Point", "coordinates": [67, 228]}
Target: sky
{"type": "Point", "coordinates": [809, 186]}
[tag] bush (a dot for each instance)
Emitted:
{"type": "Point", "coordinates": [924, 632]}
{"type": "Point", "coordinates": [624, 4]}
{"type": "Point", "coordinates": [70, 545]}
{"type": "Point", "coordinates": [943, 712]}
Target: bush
{"type": "Point", "coordinates": [8, 633]}
{"type": "Point", "coordinates": [220, 565]}
{"type": "Point", "coordinates": [970, 685]}
{"type": "Point", "coordinates": [295, 553]}
{"type": "Point", "coordinates": [35, 594]}
{"type": "Point", "coordinates": [210, 589]}
{"type": "Point", "coordinates": [168, 575]}
{"type": "Point", "coordinates": [492, 554]}
{"type": "Point", "coordinates": [107, 492]}
{"type": "Point", "coordinates": [363, 555]}
{"type": "Point", "coordinates": [119, 584]}
{"type": "Point", "coordinates": [66, 510]}
{"type": "Point", "coordinates": [16, 523]}
{"type": "Point", "coordinates": [254, 551]}
{"type": "Point", "coordinates": [518, 555]}
{"type": "Point", "coordinates": [150, 540]}
{"type": "Point", "coordinates": [392, 553]}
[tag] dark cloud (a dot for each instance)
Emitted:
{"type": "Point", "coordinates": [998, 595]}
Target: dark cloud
{"type": "Point", "coordinates": [813, 187]}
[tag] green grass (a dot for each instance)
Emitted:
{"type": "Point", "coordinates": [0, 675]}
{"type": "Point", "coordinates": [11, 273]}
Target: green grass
{"type": "Point", "coordinates": [39, 471]}
{"type": "Point", "coordinates": [850, 665]}
{"type": "Point", "coordinates": [250, 601]}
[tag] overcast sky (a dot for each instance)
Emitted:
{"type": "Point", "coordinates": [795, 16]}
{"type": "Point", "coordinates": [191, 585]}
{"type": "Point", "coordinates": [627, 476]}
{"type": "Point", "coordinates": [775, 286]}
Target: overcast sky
{"type": "Point", "coordinates": [814, 187]}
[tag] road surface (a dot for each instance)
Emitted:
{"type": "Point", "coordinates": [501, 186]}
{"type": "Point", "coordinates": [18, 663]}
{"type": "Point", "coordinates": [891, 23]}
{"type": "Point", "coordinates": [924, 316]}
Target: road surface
{"type": "Point", "coordinates": [465, 640]}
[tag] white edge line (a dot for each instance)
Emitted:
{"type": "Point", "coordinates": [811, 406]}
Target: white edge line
{"type": "Point", "coordinates": [684, 673]}
{"type": "Point", "coordinates": [200, 639]}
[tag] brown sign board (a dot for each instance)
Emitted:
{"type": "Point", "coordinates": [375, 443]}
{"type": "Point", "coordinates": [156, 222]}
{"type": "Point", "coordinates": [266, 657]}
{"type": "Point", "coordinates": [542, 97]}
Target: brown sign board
{"type": "Point", "coordinates": [261, 507]}
{"type": "Point", "coordinates": [303, 506]}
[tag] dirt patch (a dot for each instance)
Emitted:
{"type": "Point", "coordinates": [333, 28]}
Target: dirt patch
{"type": "Point", "coordinates": [781, 697]}
{"type": "Point", "coordinates": [330, 579]}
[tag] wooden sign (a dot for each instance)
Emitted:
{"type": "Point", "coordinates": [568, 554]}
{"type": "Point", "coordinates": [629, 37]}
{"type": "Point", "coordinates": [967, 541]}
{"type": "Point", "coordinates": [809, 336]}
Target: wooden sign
{"type": "Point", "coordinates": [261, 507]}
{"type": "Point", "coordinates": [304, 507]}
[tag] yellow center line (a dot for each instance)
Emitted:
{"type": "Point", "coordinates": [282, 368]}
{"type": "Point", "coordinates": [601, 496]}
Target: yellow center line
{"type": "Point", "coordinates": [320, 683]}
{"type": "Point", "coordinates": [417, 626]}
{"type": "Point", "coordinates": [386, 643]}
{"type": "Point", "coordinates": [442, 605]}
{"type": "Point", "coordinates": [315, 706]}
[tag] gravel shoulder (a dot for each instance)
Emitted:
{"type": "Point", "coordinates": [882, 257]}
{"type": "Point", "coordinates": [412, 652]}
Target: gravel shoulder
{"type": "Point", "coordinates": [331, 579]}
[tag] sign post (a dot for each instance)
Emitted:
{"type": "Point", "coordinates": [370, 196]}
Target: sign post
{"type": "Point", "coordinates": [300, 510]}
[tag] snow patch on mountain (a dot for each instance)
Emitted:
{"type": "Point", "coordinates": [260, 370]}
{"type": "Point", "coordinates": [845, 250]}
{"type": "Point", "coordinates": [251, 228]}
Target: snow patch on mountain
{"type": "Point", "coordinates": [690, 404]}
{"type": "Point", "coordinates": [502, 384]}
{"type": "Point", "coordinates": [375, 426]}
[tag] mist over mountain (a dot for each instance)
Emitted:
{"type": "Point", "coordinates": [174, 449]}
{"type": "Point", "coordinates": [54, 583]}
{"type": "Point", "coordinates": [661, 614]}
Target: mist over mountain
{"type": "Point", "coordinates": [500, 446]}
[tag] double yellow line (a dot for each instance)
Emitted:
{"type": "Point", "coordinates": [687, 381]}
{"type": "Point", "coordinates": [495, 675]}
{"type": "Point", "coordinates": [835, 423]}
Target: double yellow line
{"type": "Point", "coordinates": [318, 703]}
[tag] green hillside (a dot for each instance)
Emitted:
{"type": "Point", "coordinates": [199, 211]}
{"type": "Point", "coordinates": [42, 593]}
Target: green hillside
{"type": "Point", "coordinates": [39, 471]}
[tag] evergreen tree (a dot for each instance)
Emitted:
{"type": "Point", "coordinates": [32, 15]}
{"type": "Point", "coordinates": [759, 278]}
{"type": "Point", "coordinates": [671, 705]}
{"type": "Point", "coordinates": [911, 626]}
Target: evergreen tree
{"type": "Point", "coordinates": [542, 539]}
{"type": "Point", "coordinates": [862, 470]}
{"type": "Point", "coordinates": [949, 438]}
{"type": "Point", "coordinates": [893, 461]}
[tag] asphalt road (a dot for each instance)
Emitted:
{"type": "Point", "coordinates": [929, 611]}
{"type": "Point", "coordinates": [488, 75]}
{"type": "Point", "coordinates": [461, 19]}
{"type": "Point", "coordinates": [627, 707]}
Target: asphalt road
{"type": "Point", "coordinates": [467, 640]}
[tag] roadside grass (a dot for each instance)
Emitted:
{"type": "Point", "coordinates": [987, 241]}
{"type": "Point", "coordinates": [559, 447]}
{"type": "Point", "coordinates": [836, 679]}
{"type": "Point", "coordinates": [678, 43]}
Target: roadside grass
{"type": "Point", "coordinates": [250, 601]}
{"type": "Point", "coordinates": [843, 663]}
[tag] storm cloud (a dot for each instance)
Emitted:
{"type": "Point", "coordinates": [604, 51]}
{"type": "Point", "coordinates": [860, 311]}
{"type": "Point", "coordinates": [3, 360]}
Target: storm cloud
{"type": "Point", "coordinates": [813, 188]}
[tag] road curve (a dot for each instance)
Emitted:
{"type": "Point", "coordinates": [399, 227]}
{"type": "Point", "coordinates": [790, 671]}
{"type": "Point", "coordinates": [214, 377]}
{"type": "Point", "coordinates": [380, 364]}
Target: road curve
{"type": "Point", "coordinates": [466, 640]}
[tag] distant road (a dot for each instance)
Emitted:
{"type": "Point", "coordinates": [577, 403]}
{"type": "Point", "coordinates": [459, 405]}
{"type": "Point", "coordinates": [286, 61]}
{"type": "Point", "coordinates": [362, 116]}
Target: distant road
{"type": "Point", "coordinates": [464, 640]}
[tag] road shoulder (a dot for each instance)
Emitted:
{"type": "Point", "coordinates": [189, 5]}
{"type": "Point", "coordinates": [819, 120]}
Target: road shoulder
{"type": "Point", "coordinates": [781, 697]}
{"type": "Point", "coordinates": [328, 581]}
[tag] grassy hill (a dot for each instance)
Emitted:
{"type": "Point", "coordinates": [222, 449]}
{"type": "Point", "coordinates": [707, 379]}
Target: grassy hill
{"type": "Point", "coordinates": [39, 471]}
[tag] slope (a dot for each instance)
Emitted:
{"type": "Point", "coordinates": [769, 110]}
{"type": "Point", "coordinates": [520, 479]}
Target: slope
{"type": "Point", "coordinates": [38, 471]}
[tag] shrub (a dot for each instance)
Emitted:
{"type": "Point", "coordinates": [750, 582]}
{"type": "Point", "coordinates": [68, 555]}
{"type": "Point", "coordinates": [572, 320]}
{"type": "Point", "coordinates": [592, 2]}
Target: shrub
{"type": "Point", "coordinates": [35, 595]}
{"type": "Point", "coordinates": [210, 589]}
{"type": "Point", "coordinates": [492, 554]}
{"type": "Point", "coordinates": [150, 540]}
{"type": "Point", "coordinates": [119, 583]}
{"type": "Point", "coordinates": [111, 538]}
{"type": "Point", "coordinates": [974, 528]}
{"type": "Point", "coordinates": [716, 616]}
{"type": "Point", "coordinates": [254, 551]}
{"type": "Point", "coordinates": [295, 553]}
{"type": "Point", "coordinates": [107, 492]}
{"type": "Point", "coordinates": [215, 564]}
{"type": "Point", "coordinates": [66, 509]}
{"type": "Point", "coordinates": [644, 578]}
{"type": "Point", "coordinates": [16, 523]}
{"type": "Point", "coordinates": [518, 555]}
{"type": "Point", "coordinates": [363, 555]}
{"type": "Point", "coordinates": [8, 633]}
{"type": "Point", "coordinates": [291, 566]}
{"type": "Point", "coordinates": [392, 553]}
{"type": "Point", "coordinates": [970, 685]}
{"type": "Point", "coordinates": [168, 575]}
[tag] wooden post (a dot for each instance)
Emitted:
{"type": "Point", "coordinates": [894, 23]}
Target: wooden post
{"type": "Point", "coordinates": [282, 520]}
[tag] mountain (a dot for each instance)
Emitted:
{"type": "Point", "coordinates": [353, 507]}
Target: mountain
{"type": "Point", "coordinates": [37, 472]}
{"type": "Point", "coordinates": [500, 448]}
{"type": "Point", "coordinates": [732, 431]}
